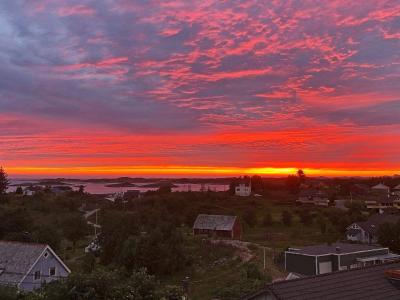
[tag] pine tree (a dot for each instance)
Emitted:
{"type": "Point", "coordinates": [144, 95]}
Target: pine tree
{"type": "Point", "coordinates": [4, 182]}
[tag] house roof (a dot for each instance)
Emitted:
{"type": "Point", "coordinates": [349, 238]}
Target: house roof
{"type": "Point", "coordinates": [380, 186]}
{"type": "Point", "coordinates": [324, 249]}
{"type": "Point", "coordinates": [365, 283]}
{"type": "Point", "coordinates": [214, 222]}
{"type": "Point", "coordinates": [312, 193]}
{"type": "Point", "coordinates": [372, 224]}
{"type": "Point", "coordinates": [17, 258]}
{"type": "Point", "coordinates": [397, 187]}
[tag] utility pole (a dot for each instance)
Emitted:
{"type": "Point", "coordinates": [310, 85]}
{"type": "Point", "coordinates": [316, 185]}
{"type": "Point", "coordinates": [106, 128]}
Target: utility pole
{"type": "Point", "coordinates": [95, 225]}
{"type": "Point", "coordinates": [264, 257]}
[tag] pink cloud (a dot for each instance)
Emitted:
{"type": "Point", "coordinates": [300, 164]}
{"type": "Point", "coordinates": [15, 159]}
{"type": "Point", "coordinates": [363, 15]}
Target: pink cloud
{"type": "Point", "coordinates": [76, 10]}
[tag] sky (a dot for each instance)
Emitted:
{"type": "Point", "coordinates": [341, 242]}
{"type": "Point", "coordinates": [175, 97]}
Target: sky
{"type": "Point", "coordinates": [199, 88]}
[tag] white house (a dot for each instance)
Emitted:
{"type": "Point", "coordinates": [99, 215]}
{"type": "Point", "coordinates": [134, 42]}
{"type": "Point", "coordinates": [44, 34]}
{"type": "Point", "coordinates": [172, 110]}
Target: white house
{"type": "Point", "coordinates": [381, 188]}
{"type": "Point", "coordinates": [28, 266]}
{"type": "Point", "coordinates": [367, 231]}
{"type": "Point", "coordinates": [243, 189]}
{"type": "Point", "coordinates": [396, 190]}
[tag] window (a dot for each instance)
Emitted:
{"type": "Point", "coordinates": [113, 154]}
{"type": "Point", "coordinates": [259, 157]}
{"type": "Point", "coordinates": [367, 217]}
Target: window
{"type": "Point", "coordinates": [36, 276]}
{"type": "Point", "coordinates": [52, 271]}
{"type": "Point", "coordinates": [354, 266]}
{"type": "Point", "coordinates": [46, 255]}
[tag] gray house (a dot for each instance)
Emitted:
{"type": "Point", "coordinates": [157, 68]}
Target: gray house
{"type": "Point", "coordinates": [27, 266]}
{"type": "Point", "coordinates": [372, 283]}
{"type": "Point", "coordinates": [321, 259]}
{"type": "Point", "coordinates": [366, 232]}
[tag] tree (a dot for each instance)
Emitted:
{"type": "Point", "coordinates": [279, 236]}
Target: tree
{"type": "Point", "coordinates": [287, 218]}
{"type": "Point", "coordinates": [100, 284]}
{"type": "Point", "coordinates": [4, 182]}
{"type": "Point", "coordinates": [165, 189]}
{"type": "Point", "coordinates": [19, 191]}
{"type": "Point", "coordinates": [249, 217]}
{"type": "Point", "coordinates": [292, 184]}
{"type": "Point", "coordinates": [389, 236]}
{"type": "Point", "coordinates": [75, 228]}
{"type": "Point", "coordinates": [322, 223]}
{"type": "Point", "coordinates": [301, 175]}
{"type": "Point", "coordinates": [331, 235]}
{"type": "Point", "coordinates": [47, 234]}
{"type": "Point", "coordinates": [81, 190]}
{"type": "Point", "coordinates": [267, 220]}
{"type": "Point", "coordinates": [305, 217]}
{"type": "Point", "coordinates": [257, 184]}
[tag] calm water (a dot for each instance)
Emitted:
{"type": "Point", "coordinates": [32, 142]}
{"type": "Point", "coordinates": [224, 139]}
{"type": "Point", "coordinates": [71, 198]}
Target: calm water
{"type": "Point", "coordinates": [101, 188]}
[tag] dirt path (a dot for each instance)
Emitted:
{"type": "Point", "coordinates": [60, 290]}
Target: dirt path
{"type": "Point", "coordinates": [242, 248]}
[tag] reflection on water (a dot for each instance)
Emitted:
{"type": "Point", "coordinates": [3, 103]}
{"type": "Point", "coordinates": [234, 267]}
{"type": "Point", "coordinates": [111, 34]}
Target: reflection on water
{"type": "Point", "coordinates": [101, 188]}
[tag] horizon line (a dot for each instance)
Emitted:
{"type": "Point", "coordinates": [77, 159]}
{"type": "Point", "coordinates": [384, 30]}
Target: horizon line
{"type": "Point", "coordinates": [190, 171]}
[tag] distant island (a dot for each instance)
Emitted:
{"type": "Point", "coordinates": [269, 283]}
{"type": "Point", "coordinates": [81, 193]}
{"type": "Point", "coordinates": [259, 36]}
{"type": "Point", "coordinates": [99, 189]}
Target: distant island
{"type": "Point", "coordinates": [121, 184]}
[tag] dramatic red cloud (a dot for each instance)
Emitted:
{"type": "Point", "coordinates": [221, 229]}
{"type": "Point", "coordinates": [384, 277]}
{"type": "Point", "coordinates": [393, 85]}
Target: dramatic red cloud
{"type": "Point", "coordinates": [199, 88]}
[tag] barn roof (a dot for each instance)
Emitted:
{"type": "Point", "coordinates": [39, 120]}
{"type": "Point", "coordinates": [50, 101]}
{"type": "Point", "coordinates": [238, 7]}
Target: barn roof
{"type": "Point", "coordinates": [214, 222]}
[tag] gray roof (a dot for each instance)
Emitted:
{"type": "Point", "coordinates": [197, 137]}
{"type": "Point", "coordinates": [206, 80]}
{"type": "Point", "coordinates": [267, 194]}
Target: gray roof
{"type": "Point", "coordinates": [312, 193]}
{"type": "Point", "coordinates": [380, 186]}
{"type": "Point", "coordinates": [372, 224]}
{"type": "Point", "coordinates": [332, 249]}
{"type": "Point", "coordinates": [214, 222]}
{"type": "Point", "coordinates": [358, 284]}
{"type": "Point", "coordinates": [16, 259]}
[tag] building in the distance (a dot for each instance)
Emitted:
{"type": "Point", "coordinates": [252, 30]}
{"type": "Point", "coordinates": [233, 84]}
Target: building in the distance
{"type": "Point", "coordinates": [243, 187]}
{"type": "Point", "coordinates": [396, 190]}
{"type": "Point", "coordinates": [383, 202]}
{"type": "Point", "coordinates": [218, 225]}
{"type": "Point", "coordinates": [28, 266]}
{"type": "Point", "coordinates": [313, 197]}
{"type": "Point", "coordinates": [381, 188]}
{"type": "Point", "coordinates": [367, 231]}
{"type": "Point", "coordinates": [321, 259]}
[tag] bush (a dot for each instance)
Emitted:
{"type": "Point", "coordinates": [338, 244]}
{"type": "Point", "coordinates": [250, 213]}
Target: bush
{"type": "Point", "coordinates": [267, 220]}
{"type": "Point", "coordinates": [287, 218]}
{"type": "Point", "coordinates": [250, 218]}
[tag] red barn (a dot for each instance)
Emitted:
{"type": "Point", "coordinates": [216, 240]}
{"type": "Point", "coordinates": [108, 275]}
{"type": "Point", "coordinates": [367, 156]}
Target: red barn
{"type": "Point", "coordinates": [222, 226]}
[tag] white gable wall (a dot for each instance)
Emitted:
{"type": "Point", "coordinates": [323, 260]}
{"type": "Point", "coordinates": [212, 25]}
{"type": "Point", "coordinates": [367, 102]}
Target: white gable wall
{"type": "Point", "coordinates": [43, 264]}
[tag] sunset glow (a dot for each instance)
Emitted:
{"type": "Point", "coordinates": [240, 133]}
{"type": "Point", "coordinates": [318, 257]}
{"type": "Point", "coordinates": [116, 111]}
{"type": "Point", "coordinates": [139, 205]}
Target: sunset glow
{"type": "Point", "coordinates": [199, 88]}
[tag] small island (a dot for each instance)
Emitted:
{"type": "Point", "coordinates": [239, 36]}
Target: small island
{"type": "Point", "coordinates": [121, 184]}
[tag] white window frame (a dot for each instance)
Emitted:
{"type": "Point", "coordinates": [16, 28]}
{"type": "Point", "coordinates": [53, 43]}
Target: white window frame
{"type": "Point", "coordinates": [34, 275]}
